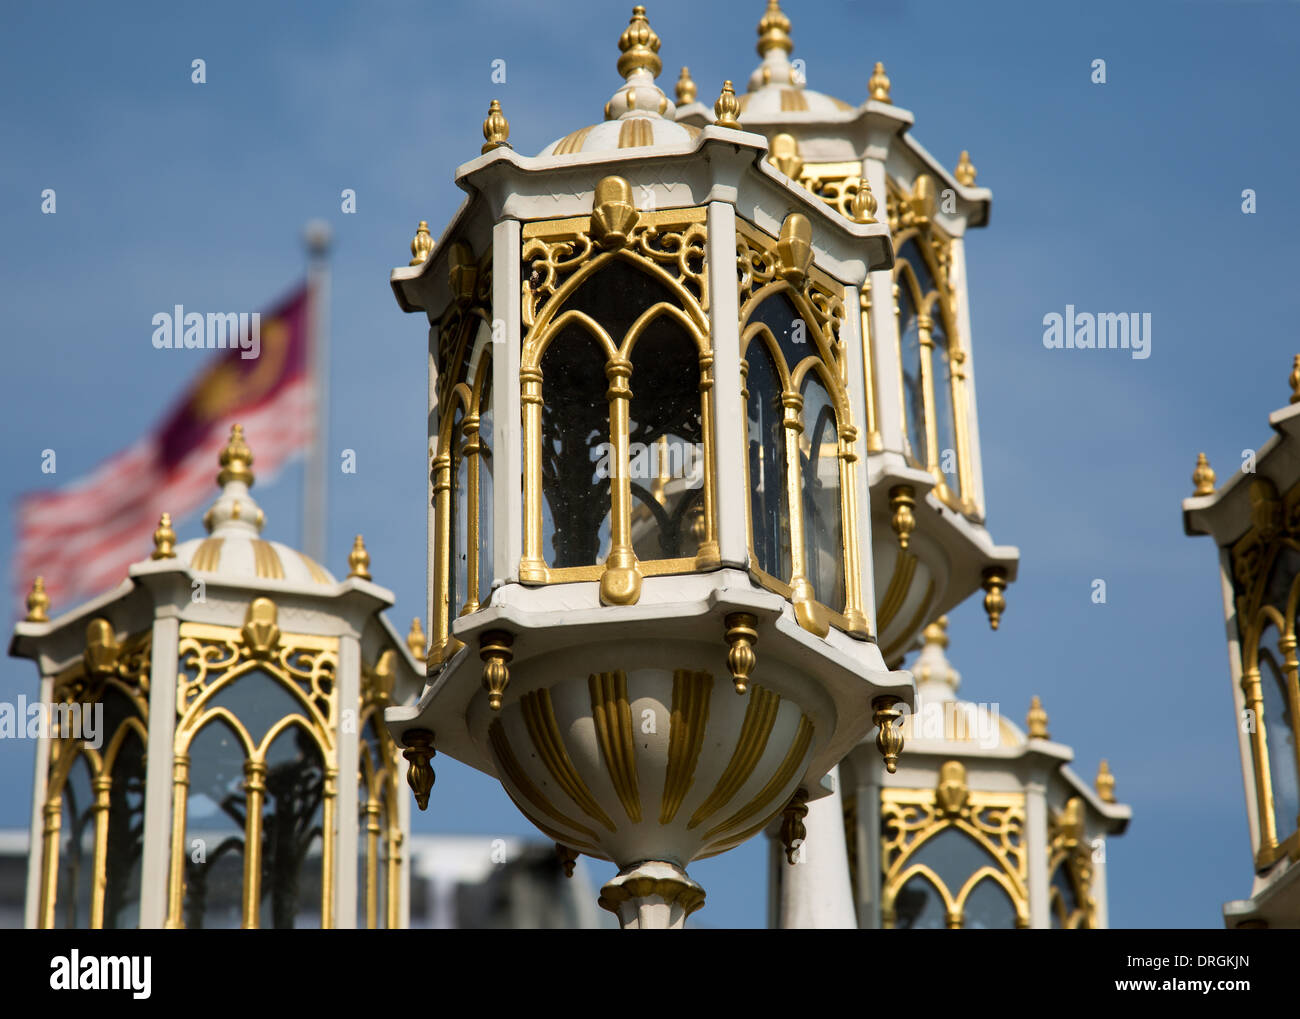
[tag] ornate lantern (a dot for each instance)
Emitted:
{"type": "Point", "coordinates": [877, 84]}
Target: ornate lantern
{"type": "Point", "coordinates": [914, 320]}
{"type": "Point", "coordinates": [982, 825]}
{"type": "Point", "coordinates": [665, 631]}
{"type": "Point", "coordinates": [212, 752]}
{"type": "Point", "coordinates": [1254, 518]}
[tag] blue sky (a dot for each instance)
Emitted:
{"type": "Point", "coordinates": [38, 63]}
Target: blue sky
{"type": "Point", "coordinates": [1122, 197]}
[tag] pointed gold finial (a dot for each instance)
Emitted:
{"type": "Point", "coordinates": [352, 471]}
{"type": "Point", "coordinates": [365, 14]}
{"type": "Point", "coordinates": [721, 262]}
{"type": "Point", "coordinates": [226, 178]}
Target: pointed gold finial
{"type": "Point", "coordinates": [995, 582]}
{"type": "Point", "coordinates": [415, 639]}
{"type": "Point", "coordinates": [686, 90]}
{"type": "Point", "coordinates": [359, 560]}
{"type": "Point", "coordinates": [639, 46]}
{"type": "Point", "coordinates": [1037, 720]}
{"type": "Point", "coordinates": [1295, 380]}
{"type": "Point", "coordinates": [421, 244]}
{"type": "Point", "coordinates": [774, 30]}
{"type": "Point", "coordinates": [886, 714]}
{"type": "Point", "coordinates": [727, 108]}
{"type": "Point", "coordinates": [937, 632]}
{"type": "Point", "coordinates": [965, 172]}
{"type": "Point", "coordinates": [164, 539]}
{"type": "Point", "coordinates": [38, 602]}
{"type": "Point", "coordinates": [863, 203]}
{"type": "Point", "coordinates": [496, 129]}
{"type": "Point", "coordinates": [1203, 476]}
{"type": "Point", "coordinates": [236, 459]}
{"type": "Point", "coordinates": [1105, 782]}
{"type": "Point", "coordinates": [878, 84]}
{"type": "Point", "coordinates": [568, 858]}
{"type": "Point", "coordinates": [902, 500]}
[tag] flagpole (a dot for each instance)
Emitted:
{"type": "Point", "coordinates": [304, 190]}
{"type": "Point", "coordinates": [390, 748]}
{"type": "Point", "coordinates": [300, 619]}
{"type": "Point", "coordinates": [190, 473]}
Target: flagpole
{"type": "Point", "coordinates": [317, 238]}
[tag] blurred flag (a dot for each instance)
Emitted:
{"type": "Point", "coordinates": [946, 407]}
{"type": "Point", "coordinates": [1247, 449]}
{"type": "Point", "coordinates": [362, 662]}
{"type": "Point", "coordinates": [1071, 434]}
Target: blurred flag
{"type": "Point", "coordinates": [82, 538]}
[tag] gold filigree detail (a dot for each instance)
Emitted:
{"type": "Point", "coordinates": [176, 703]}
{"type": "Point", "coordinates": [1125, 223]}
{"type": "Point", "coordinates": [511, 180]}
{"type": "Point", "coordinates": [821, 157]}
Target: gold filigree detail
{"type": "Point", "coordinates": [1069, 849]}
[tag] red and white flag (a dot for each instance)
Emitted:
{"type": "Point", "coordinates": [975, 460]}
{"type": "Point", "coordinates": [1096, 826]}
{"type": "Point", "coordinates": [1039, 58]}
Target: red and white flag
{"type": "Point", "coordinates": [82, 538]}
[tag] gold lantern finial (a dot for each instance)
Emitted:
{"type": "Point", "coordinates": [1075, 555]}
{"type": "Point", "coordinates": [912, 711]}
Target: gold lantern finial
{"type": "Point", "coordinates": [878, 84]}
{"type": "Point", "coordinates": [1037, 719]}
{"type": "Point", "coordinates": [1203, 476]}
{"type": "Point", "coordinates": [38, 602]}
{"type": "Point", "coordinates": [236, 459]}
{"type": "Point", "coordinates": [496, 129]}
{"type": "Point", "coordinates": [1295, 380]}
{"type": "Point", "coordinates": [774, 30]}
{"type": "Point", "coordinates": [359, 560]}
{"type": "Point", "coordinates": [887, 715]}
{"type": "Point", "coordinates": [686, 90]}
{"type": "Point", "coordinates": [863, 204]}
{"type": "Point", "coordinates": [421, 244]}
{"type": "Point", "coordinates": [965, 172]}
{"type": "Point", "coordinates": [164, 539]}
{"type": "Point", "coordinates": [727, 108]}
{"type": "Point", "coordinates": [902, 500]}
{"type": "Point", "coordinates": [415, 639]}
{"type": "Point", "coordinates": [995, 582]}
{"type": "Point", "coordinates": [639, 46]}
{"type": "Point", "coordinates": [1105, 782]}
{"type": "Point", "coordinates": [937, 632]}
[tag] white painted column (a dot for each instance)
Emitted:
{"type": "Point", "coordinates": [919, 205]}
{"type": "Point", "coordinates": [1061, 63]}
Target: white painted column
{"type": "Point", "coordinates": [155, 867]}
{"type": "Point", "coordinates": [1098, 848]}
{"type": "Point", "coordinates": [815, 891]}
{"type": "Point", "coordinates": [888, 370]}
{"type": "Point", "coordinates": [728, 407]}
{"type": "Point", "coordinates": [507, 415]}
{"type": "Point", "coordinates": [36, 831]}
{"type": "Point", "coordinates": [1040, 916]}
{"type": "Point", "coordinates": [345, 812]}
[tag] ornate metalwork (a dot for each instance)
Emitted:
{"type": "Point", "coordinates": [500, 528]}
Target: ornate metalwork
{"type": "Point", "coordinates": [1070, 872]}
{"type": "Point", "coordinates": [994, 822]}
{"type": "Point", "coordinates": [741, 636]}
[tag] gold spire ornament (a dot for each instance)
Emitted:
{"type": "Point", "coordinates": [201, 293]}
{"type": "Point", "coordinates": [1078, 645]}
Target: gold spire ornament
{"type": "Point", "coordinates": [902, 500]}
{"type": "Point", "coordinates": [774, 30]}
{"type": "Point", "coordinates": [1105, 782]}
{"type": "Point", "coordinates": [686, 90]}
{"type": "Point", "coordinates": [421, 244]}
{"type": "Point", "coordinates": [878, 84]}
{"type": "Point", "coordinates": [1037, 720]}
{"type": "Point", "coordinates": [1203, 476]}
{"type": "Point", "coordinates": [995, 582]}
{"type": "Point", "coordinates": [639, 46]}
{"type": "Point", "coordinates": [965, 172]}
{"type": "Point", "coordinates": [236, 459]}
{"type": "Point", "coordinates": [415, 639]}
{"type": "Point", "coordinates": [889, 739]}
{"type": "Point", "coordinates": [38, 602]}
{"type": "Point", "coordinates": [727, 108]}
{"type": "Point", "coordinates": [1295, 380]}
{"type": "Point", "coordinates": [419, 752]}
{"type": "Point", "coordinates": [496, 129]}
{"type": "Point", "coordinates": [164, 539]}
{"type": "Point", "coordinates": [359, 560]}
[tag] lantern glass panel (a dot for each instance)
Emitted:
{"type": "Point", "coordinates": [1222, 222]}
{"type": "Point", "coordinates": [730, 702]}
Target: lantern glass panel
{"type": "Point", "coordinates": [769, 502]}
{"type": "Point", "coordinates": [820, 478]}
{"type": "Point", "coordinates": [214, 813]}
{"type": "Point", "coordinates": [1279, 734]}
{"type": "Point", "coordinates": [913, 394]}
{"type": "Point", "coordinates": [76, 847]}
{"type": "Point", "coordinates": [292, 829]}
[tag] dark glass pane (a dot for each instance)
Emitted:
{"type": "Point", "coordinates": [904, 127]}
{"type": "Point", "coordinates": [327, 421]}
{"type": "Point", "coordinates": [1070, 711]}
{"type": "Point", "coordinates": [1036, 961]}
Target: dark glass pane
{"type": "Point", "coordinates": [214, 830]}
{"type": "Point", "coordinates": [794, 335]}
{"type": "Point", "coordinates": [125, 823]}
{"type": "Point", "coordinates": [769, 503]}
{"type": "Point", "coordinates": [617, 295]}
{"type": "Point", "coordinates": [292, 828]}
{"type": "Point", "coordinates": [1280, 734]}
{"type": "Point", "coordinates": [460, 533]}
{"type": "Point", "coordinates": [487, 438]}
{"type": "Point", "coordinates": [909, 344]}
{"type": "Point", "coordinates": [919, 906]}
{"type": "Point", "coordinates": [76, 848]}
{"type": "Point", "coordinates": [911, 254]}
{"type": "Point", "coordinates": [372, 763]}
{"type": "Point", "coordinates": [576, 453]}
{"type": "Point", "coordinates": [820, 475]}
{"type": "Point", "coordinates": [988, 907]}
{"type": "Point", "coordinates": [666, 452]}
{"type": "Point", "coordinates": [258, 701]}
{"type": "Point", "coordinates": [954, 856]}
{"type": "Point", "coordinates": [944, 410]}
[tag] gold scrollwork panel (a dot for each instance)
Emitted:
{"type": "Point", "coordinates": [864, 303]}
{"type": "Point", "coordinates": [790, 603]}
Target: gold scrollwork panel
{"type": "Point", "coordinates": [297, 674]}
{"type": "Point", "coordinates": [989, 831]}
{"type": "Point", "coordinates": [656, 266]}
